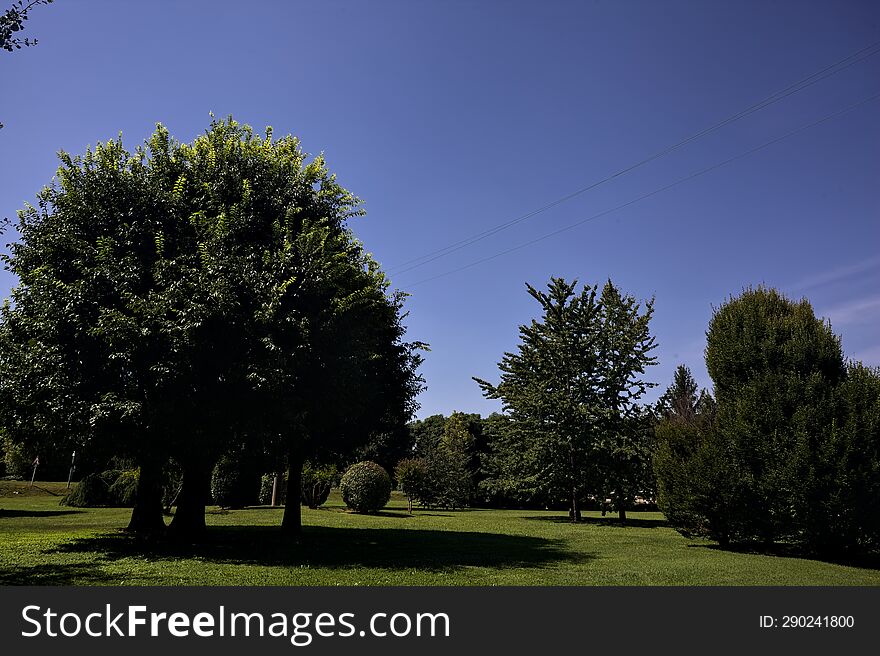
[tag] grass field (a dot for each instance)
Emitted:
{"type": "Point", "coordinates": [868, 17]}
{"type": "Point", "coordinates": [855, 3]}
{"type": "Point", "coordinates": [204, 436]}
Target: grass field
{"type": "Point", "coordinates": [43, 543]}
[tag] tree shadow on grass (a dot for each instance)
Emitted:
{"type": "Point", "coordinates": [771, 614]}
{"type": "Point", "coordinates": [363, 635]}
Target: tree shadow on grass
{"type": "Point", "coordinates": [613, 521]}
{"type": "Point", "coordinates": [869, 561]}
{"type": "Point", "coordinates": [340, 548]}
{"type": "Point", "coordinates": [55, 574]}
{"type": "Point", "coordinates": [6, 513]}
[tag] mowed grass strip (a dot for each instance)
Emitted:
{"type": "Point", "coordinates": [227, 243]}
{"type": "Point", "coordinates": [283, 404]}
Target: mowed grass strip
{"type": "Point", "coordinates": [44, 543]}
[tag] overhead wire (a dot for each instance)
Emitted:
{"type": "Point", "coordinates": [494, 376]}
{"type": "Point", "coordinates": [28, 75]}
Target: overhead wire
{"type": "Point", "coordinates": [795, 87]}
{"type": "Point", "coordinates": [699, 173]}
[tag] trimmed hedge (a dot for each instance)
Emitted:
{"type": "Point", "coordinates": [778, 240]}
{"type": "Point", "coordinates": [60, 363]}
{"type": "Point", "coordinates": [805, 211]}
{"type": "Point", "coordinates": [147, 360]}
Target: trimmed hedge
{"type": "Point", "coordinates": [366, 487]}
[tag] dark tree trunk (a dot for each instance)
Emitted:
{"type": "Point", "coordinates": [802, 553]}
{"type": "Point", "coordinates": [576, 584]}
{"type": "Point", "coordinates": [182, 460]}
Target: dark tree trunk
{"type": "Point", "coordinates": [575, 512]}
{"type": "Point", "coordinates": [292, 521]}
{"type": "Point", "coordinates": [189, 518]}
{"type": "Point", "coordinates": [621, 512]}
{"type": "Point", "coordinates": [146, 516]}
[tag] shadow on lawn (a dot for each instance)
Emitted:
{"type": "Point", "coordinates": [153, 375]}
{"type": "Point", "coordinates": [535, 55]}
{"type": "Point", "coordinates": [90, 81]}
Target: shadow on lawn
{"type": "Point", "coordinates": [793, 551]}
{"type": "Point", "coordinates": [54, 574]}
{"type": "Point", "coordinates": [610, 520]}
{"type": "Point", "coordinates": [4, 513]}
{"type": "Point", "coordinates": [323, 547]}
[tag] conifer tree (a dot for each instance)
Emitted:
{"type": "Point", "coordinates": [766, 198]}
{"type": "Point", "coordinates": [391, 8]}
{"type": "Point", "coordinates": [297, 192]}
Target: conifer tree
{"type": "Point", "coordinates": [570, 392]}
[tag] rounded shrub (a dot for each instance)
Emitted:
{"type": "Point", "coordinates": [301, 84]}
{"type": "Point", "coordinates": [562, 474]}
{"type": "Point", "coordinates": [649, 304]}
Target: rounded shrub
{"type": "Point", "coordinates": [227, 483]}
{"type": "Point", "coordinates": [366, 487]}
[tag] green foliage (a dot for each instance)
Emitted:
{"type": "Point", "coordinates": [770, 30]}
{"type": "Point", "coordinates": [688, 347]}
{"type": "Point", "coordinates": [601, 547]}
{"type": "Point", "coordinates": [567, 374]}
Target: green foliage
{"type": "Point", "coordinates": [113, 488]}
{"type": "Point", "coordinates": [841, 490]}
{"type": "Point", "coordinates": [92, 491]}
{"type": "Point", "coordinates": [123, 490]}
{"type": "Point", "coordinates": [387, 447]}
{"type": "Point", "coordinates": [365, 487]}
{"type": "Point", "coordinates": [499, 485]}
{"type": "Point", "coordinates": [183, 297]}
{"type": "Point", "coordinates": [694, 485]}
{"type": "Point", "coordinates": [12, 21]}
{"type": "Point", "coordinates": [412, 477]}
{"type": "Point", "coordinates": [317, 480]}
{"type": "Point", "coordinates": [443, 475]}
{"type": "Point", "coordinates": [790, 451]}
{"type": "Point", "coordinates": [775, 367]}
{"type": "Point", "coordinates": [16, 462]}
{"type": "Point", "coordinates": [680, 400]}
{"type": "Point", "coordinates": [450, 464]}
{"type": "Point", "coordinates": [570, 393]}
{"type": "Point", "coordinates": [231, 487]}
{"type": "Point", "coordinates": [426, 433]}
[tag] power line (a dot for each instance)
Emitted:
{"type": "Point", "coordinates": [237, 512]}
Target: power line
{"type": "Point", "coordinates": [800, 85]}
{"type": "Point", "coordinates": [652, 193]}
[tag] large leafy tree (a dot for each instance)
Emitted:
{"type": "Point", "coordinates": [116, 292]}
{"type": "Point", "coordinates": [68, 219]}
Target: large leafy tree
{"type": "Point", "coordinates": [571, 395]}
{"type": "Point", "coordinates": [189, 296]}
{"type": "Point", "coordinates": [89, 342]}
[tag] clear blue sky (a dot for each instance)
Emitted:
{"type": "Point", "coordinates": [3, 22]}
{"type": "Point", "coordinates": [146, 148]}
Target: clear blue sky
{"type": "Point", "coordinates": [448, 118]}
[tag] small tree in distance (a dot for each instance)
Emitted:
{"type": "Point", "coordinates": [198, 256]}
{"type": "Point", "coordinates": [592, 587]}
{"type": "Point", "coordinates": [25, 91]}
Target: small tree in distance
{"type": "Point", "coordinates": [412, 477]}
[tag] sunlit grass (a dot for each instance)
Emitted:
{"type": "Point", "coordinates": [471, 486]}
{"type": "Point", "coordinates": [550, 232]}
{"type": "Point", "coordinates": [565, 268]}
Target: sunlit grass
{"type": "Point", "coordinates": [42, 542]}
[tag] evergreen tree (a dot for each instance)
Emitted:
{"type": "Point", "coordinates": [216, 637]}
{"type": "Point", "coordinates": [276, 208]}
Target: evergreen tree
{"type": "Point", "coordinates": [570, 392]}
{"type": "Point", "coordinates": [680, 398]}
{"type": "Point", "coordinates": [775, 367]}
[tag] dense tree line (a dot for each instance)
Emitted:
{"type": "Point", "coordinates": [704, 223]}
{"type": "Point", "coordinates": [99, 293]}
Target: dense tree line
{"type": "Point", "coordinates": [187, 301]}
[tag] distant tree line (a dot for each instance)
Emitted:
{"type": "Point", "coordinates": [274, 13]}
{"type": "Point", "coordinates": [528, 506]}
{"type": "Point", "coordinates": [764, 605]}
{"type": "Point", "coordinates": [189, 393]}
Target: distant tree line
{"type": "Point", "coordinates": [786, 454]}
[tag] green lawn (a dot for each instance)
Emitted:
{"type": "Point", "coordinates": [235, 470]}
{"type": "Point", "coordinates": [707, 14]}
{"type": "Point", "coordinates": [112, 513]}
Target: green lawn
{"type": "Point", "coordinates": [43, 543]}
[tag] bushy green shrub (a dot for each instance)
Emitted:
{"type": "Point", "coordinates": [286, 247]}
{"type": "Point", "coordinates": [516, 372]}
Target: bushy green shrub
{"type": "Point", "coordinates": [316, 483]}
{"type": "Point", "coordinates": [366, 487]}
{"type": "Point", "coordinates": [227, 483]}
{"type": "Point", "coordinates": [113, 488]}
{"type": "Point", "coordinates": [91, 492]}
